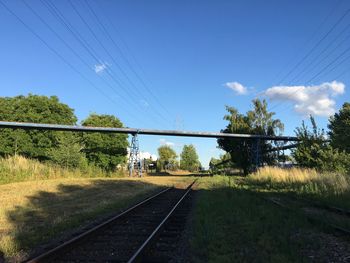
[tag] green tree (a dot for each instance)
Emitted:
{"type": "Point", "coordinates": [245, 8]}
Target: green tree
{"type": "Point", "coordinates": [213, 163]}
{"type": "Point", "coordinates": [314, 151]}
{"type": "Point", "coordinates": [167, 158]}
{"type": "Point", "coordinates": [37, 109]}
{"type": "Point", "coordinates": [219, 166]}
{"type": "Point", "coordinates": [339, 129]}
{"type": "Point", "coordinates": [189, 158]}
{"type": "Point", "coordinates": [68, 153]}
{"type": "Point", "coordinates": [312, 144]}
{"type": "Point", "coordinates": [257, 121]}
{"type": "Point", "coordinates": [105, 150]}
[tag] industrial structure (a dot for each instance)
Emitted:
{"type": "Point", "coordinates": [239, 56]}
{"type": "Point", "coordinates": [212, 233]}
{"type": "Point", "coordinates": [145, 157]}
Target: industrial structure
{"type": "Point", "coordinates": [135, 163]}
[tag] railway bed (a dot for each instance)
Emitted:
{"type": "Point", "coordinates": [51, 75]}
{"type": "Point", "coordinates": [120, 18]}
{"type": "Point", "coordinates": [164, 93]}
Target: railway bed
{"type": "Point", "coordinates": [154, 224]}
{"type": "Point", "coordinates": [285, 203]}
{"type": "Point", "coordinates": [167, 244]}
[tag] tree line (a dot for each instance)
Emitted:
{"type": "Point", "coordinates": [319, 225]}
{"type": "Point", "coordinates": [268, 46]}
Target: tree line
{"type": "Point", "coordinates": [68, 149]}
{"type": "Point", "coordinates": [189, 159]}
{"type": "Point", "coordinates": [315, 148]}
{"type": "Point", "coordinates": [326, 151]}
{"type": "Point", "coordinates": [74, 149]}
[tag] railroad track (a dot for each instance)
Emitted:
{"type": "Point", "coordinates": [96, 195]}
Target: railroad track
{"type": "Point", "coordinates": [304, 204]}
{"type": "Point", "coordinates": [146, 232]}
{"type": "Point", "coordinates": [333, 209]}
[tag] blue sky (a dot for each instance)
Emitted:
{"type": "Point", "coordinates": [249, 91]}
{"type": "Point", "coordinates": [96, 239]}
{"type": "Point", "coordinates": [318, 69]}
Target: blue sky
{"type": "Point", "coordinates": [176, 64]}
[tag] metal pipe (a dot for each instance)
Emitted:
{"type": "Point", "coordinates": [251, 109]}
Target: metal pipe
{"type": "Point", "coordinates": [58, 127]}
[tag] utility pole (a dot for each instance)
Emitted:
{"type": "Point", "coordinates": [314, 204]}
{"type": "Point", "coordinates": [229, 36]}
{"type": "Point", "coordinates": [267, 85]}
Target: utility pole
{"type": "Point", "coordinates": [134, 157]}
{"type": "Point", "coordinates": [256, 153]}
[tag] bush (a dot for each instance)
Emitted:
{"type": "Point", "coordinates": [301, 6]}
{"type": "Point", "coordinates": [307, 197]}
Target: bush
{"type": "Point", "coordinates": [68, 153]}
{"type": "Point", "coordinates": [18, 168]}
{"type": "Point", "coordinates": [333, 160]}
{"type": "Point", "coordinates": [106, 151]}
{"type": "Point", "coordinates": [315, 152]}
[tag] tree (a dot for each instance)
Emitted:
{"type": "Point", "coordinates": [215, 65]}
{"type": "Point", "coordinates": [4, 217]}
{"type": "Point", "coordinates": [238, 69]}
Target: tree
{"type": "Point", "coordinates": [167, 158]}
{"type": "Point", "coordinates": [68, 153]}
{"type": "Point", "coordinates": [314, 151]}
{"type": "Point", "coordinates": [257, 121]}
{"type": "Point", "coordinates": [104, 150]}
{"type": "Point", "coordinates": [189, 158]}
{"type": "Point", "coordinates": [312, 143]}
{"type": "Point", "coordinates": [213, 163]}
{"type": "Point", "coordinates": [339, 129]}
{"type": "Point", "coordinates": [221, 165]}
{"type": "Point", "coordinates": [37, 109]}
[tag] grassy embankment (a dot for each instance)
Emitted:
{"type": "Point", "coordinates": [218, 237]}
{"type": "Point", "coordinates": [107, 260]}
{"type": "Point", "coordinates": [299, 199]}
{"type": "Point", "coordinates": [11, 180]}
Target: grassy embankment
{"type": "Point", "coordinates": [329, 188]}
{"type": "Point", "coordinates": [234, 223]}
{"type": "Point", "coordinates": [231, 221]}
{"type": "Point", "coordinates": [18, 169]}
{"type": "Point", "coordinates": [41, 208]}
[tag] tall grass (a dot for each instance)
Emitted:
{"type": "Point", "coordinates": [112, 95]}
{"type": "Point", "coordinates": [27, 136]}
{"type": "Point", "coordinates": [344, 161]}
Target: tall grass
{"type": "Point", "coordinates": [329, 187]}
{"type": "Point", "coordinates": [34, 212]}
{"type": "Point", "coordinates": [19, 168]}
{"type": "Point", "coordinates": [232, 225]}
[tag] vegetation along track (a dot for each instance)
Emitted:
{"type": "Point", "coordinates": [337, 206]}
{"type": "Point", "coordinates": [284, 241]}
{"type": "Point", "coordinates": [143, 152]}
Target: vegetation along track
{"type": "Point", "coordinates": [128, 237]}
{"type": "Point", "coordinates": [336, 219]}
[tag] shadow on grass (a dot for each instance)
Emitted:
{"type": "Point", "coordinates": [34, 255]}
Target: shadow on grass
{"type": "Point", "coordinates": [50, 214]}
{"type": "Point", "coordinates": [313, 191]}
{"type": "Point", "coordinates": [233, 224]}
{"type": "Point", "coordinates": [232, 221]}
{"type": "Point", "coordinates": [180, 175]}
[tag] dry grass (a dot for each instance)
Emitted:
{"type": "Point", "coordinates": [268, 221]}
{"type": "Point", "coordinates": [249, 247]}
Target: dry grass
{"type": "Point", "coordinates": [279, 175]}
{"type": "Point", "coordinates": [18, 168]}
{"type": "Point", "coordinates": [180, 172]}
{"type": "Point", "coordinates": [329, 187]}
{"type": "Point", "coordinates": [35, 211]}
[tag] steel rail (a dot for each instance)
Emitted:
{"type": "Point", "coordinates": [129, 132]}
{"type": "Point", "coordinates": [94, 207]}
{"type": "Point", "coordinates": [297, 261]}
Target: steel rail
{"type": "Point", "coordinates": [51, 252]}
{"type": "Point", "coordinates": [138, 254]}
{"type": "Point", "coordinates": [58, 127]}
{"type": "Point", "coordinates": [316, 204]}
{"type": "Point", "coordinates": [311, 219]}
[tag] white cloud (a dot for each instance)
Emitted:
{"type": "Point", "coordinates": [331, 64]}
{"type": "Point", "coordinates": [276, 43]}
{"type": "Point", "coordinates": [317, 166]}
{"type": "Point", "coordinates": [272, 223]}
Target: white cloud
{"type": "Point", "coordinates": [238, 88]}
{"type": "Point", "coordinates": [315, 100]}
{"type": "Point", "coordinates": [165, 142]}
{"type": "Point", "coordinates": [99, 68]}
{"type": "Point", "coordinates": [147, 155]}
{"type": "Point", "coordinates": [144, 103]}
{"type": "Point", "coordinates": [144, 155]}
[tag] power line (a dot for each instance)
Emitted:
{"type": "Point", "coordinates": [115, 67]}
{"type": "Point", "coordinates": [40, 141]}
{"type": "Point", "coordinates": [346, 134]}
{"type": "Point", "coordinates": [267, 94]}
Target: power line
{"type": "Point", "coordinates": [324, 58]}
{"type": "Point", "coordinates": [337, 65]}
{"type": "Point", "coordinates": [316, 45]}
{"type": "Point", "coordinates": [109, 54]}
{"type": "Point", "coordinates": [303, 72]}
{"type": "Point", "coordinates": [320, 72]}
{"type": "Point", "coordinates": [101, 44]}
{"type": "Point", "coordinates": [72, 67]}
{"type": "Point", "coordinates": [311, 38]}
{"type": "Point", "coordinates": [125, 58]}
{"type": "Point", "coordinates": [341, 74]}
{"type": "Point", "coordinates": [125, 45]}
{"type": "Point", "coordinates": [69, 47]}
{"type": "Point", "coordinates": [123, 42]}
{"type": "Point", "coordinates": [328, 65]}
{"type": "Point", "coordinates": [56, 13]}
